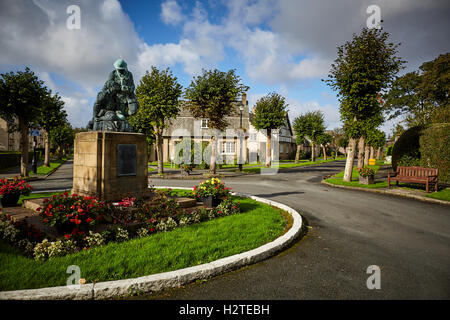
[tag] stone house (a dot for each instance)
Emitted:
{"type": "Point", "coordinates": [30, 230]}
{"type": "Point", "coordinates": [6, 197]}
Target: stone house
{"type": "Point", "coordinates": [233, 142]}
{"type": "Point", "coordinates": [10, 141]}
{"type": "Point", "coordinates": [283, 140]}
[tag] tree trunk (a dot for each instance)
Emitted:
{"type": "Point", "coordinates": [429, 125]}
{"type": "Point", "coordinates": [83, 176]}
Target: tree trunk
{"type": "Point", "coordinates": [361, 152]}
{"type": "Point", "coordinates": [297, 154]}
{"type": "Point", "coordinates": [366, 155]}
{"type": "Point", "coordinates": [47, 148]}
{"type": "Point", "coordinates": [159, 154]}
{"type": "Point", "coordinates": [350, 159]}
{"type": "Point", "coordinates": [312, 151]}
{"type": "Point", "coordinates": [372, 152]}
{"type": "Point", "coordinates": [212, 165]}
{"type": "Point", "coordinates": [269, 148]}
{"type": "Point", "coordinates": [378, 153]}
{"type": "Point", "coordinates": [23, 147]}
{"type": "Point", "coordinates": [324, 152]}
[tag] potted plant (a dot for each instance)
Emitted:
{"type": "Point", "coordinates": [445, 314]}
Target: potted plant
{"type": "Point", "coordinates": [11, 190]}
{"type": "Point", "coordinates": [185, 169]}
{"type": "Point", "coordinates": [211, 192]}
{"type": "Point", "coordinates": [366, 175]}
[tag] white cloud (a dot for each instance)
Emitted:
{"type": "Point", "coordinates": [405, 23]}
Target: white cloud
{"type": "Point", "coordinates": [171, 13]}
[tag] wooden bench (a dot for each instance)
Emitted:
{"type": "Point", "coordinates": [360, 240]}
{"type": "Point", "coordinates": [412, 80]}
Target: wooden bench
{"type": "Point", "coordinates": [416, 175]}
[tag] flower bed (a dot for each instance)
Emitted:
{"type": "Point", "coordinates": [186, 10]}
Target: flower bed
{"type": "Point", "coordinates": [86, 222]}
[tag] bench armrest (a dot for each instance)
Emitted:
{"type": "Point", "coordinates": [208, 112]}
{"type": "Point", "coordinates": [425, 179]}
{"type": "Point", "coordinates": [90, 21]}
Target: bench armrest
{"type": "Point", "coordinates": [392, 174]}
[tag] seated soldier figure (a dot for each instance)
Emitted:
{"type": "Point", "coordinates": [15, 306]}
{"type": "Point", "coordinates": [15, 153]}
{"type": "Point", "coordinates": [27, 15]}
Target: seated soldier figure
{"type": "Point", "coordinates": [115, 102]}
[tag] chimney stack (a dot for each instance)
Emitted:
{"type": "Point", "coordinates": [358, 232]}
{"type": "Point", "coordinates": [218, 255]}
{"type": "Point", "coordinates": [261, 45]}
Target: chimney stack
{"type": "Point", "coordinates": [244, 99]}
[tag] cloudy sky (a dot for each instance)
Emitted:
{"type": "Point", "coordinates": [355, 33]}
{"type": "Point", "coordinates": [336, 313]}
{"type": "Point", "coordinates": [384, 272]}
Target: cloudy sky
{"type": "Point", "coordinates": [285, 46]}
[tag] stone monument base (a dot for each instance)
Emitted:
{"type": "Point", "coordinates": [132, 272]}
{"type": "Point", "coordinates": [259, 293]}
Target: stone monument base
{"type": "Point", "coordinates": [110, 165]}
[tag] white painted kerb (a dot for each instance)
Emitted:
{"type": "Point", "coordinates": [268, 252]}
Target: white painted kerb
{"type": "Point", "coordinates": [160, 281]}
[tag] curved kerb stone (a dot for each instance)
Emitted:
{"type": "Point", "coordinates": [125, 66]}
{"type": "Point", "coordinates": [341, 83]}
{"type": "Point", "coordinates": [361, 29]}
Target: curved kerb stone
{"type": "Point", "coordinates": [172, 279]}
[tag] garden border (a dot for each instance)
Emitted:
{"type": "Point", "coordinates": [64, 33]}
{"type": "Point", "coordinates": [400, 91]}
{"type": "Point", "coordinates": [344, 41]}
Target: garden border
{"type": "Point", "coordinates": [172, 279]}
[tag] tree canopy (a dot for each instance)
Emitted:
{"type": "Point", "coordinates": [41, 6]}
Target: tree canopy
{"type": "Point", "coordinates": [364, 67]}
{"type": "Point", "coordinates": [420, 95]}
{"type": "Point", "coordinates": [158, 95]}
{"type": "Point", "coordinates": [270, 112]}
{"type": "Point", "coordinates": [310, 125]}
{"type": "Point", "coordinates": [211, 95]}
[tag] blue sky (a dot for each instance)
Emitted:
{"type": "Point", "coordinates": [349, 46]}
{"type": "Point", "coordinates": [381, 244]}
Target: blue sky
{"type": "Point", "coordinates": [285, 46]}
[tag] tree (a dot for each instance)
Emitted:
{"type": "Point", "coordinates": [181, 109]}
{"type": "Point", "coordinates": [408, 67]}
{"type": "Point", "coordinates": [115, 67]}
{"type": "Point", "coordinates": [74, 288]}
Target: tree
{"type": "Point", "coordinates": [339, 139]}
{"type": "Point", "coordinates": [62, 136]}
{"type": "Point", "coordinates": [376, 139]}
{"type": "Point", "coordinates": [269, 114]}
{"type": "Point", "coordinates": [211, 96]}
{"type": "Point", "coordinates": [364, 67]}
{"type": "Point", "coordinates": [435, 85]}
{"type": "Point", "coordinates": [158, 93]}
{"type": "Point", "coordinates": [420, 94]}
{"type": "Point", "coordinates": [397, 131]}
{"type": "Point", "coordinates": [324, 139]}
{"type": "Point", "coordinates": [50, 115]}
{"type": "Point", "coordinates": [310, 125]}
{"type": "Point", "coordinates": [21, 95]}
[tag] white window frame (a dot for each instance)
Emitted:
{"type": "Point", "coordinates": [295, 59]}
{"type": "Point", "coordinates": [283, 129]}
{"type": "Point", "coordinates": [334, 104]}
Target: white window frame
{"type": "Point", "coordinates": [227, 149]}
{"type": "Point", "coordinates": [202, 123]}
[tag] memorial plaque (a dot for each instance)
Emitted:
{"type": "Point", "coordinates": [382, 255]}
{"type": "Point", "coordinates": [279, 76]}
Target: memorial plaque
{"type": "Point", "coordinates": [126, 159]}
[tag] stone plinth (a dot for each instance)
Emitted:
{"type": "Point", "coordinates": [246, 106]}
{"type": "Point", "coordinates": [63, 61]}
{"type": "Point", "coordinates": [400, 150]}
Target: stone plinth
{"type": "Point", "coordinates": [110, 165]}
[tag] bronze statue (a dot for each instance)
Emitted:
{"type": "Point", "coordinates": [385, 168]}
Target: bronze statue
{"type": "Point", "coordinates": [115, 102]}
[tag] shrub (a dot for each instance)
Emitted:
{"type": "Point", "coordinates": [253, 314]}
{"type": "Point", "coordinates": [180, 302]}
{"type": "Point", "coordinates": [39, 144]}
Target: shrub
{"type": "Point", "coordinates": [407, 145]}
{"type": "Point", "coordinates": [121, 235]}
{"type": "Point", "coordinates": [435, 149]}
{"type": "Point", "coordinates": [94, 239]}
{"type": "Point", "coordinates": [227, 207]}
{"type": "Point", "coordinates": [72, 213]}
{"type": "Point", "coordinates": [166, 224]}
{"type": "Point", "coordinates": [46, 249]}
{"type": "Point", "coordinates": [408, 161]}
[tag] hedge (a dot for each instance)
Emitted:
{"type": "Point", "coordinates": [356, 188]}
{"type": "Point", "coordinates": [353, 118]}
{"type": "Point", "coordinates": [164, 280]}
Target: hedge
{"type": "Point", "coordinates": [435, 149]}
{"type": "Point", "coordinates": [12, 159]}
{"type": "Point", "coordinates": [407, 146]}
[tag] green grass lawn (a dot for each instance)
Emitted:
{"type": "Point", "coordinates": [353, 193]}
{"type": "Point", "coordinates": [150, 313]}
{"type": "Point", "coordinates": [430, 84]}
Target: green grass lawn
{"type": "Point", "coordinates": [43, 170]}
{"type": "Point", "coordinates": [441, 195]}
{"type": "Point", "coordinates": [164, 251]}
{"type": "Point", "coordinates": [337, 180]}
{"type": "Point", "coordinates": [290, 165]}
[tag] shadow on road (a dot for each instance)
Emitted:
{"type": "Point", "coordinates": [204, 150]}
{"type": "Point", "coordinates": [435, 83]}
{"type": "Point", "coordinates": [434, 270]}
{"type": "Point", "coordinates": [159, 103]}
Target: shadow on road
{"type": "Point", "coordinates": [278, 194]}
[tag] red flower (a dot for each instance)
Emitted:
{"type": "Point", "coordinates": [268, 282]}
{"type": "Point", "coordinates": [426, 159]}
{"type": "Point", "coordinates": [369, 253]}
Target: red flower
{"type": "Point", "coordinates": [39, 209]}
{"type": "Point", "coordinates": [89, 219]}
{"type": "Point", "coordinates": [67, 236]}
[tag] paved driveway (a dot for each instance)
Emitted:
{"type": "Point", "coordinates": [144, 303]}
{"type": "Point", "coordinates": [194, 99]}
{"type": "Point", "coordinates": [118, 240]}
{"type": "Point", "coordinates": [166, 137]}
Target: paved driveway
{"type": "Point", "coordinates": [348, 231]}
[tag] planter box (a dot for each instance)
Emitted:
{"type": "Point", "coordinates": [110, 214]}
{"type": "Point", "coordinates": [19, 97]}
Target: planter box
{"type": "Point", "coordinates": [10, 200]}
{"type": "Point", "coordinates": [211, 202]}
{"type": "Point", "coordinates": [367, 180]}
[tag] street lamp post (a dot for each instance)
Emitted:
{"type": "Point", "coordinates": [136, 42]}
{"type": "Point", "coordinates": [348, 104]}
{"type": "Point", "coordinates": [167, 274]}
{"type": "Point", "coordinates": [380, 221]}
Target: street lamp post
{"type": "Point", "coordinates": [241, 108]}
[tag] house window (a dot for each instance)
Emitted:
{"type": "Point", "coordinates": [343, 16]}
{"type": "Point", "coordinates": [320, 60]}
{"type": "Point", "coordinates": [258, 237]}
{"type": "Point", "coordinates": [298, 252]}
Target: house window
{"type": "Point", "coordinates": [228, 148]}
{"type": "Point", "coordinates": [205, 123]}
{"type": "Point", "coordinates": [253, 136]}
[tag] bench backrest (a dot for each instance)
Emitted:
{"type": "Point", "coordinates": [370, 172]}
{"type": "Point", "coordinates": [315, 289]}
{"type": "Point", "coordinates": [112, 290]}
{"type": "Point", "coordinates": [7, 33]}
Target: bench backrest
{"type": "Point", "coordinates": [418, 172]}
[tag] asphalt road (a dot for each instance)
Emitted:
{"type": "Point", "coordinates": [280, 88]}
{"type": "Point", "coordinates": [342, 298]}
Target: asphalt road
{"type": "Point", "coordinates": [347, 232]}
